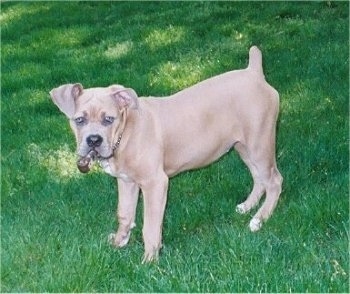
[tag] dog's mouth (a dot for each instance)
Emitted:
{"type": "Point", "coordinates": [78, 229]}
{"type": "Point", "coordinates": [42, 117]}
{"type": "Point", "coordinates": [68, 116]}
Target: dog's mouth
{"type": "Point", "coordinates": [84, 163]}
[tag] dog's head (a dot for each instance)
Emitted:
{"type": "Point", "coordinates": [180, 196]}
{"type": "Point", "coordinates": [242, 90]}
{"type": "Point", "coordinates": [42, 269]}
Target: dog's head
{"type": "Point", "coordinates": [95, 115]}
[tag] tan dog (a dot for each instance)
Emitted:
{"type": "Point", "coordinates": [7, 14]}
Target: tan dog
{"type": "Point", "coordinates": [144, 141]}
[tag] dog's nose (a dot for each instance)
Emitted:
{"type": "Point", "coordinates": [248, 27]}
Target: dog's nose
{"type": "Point", "coordinates": [94, 140]}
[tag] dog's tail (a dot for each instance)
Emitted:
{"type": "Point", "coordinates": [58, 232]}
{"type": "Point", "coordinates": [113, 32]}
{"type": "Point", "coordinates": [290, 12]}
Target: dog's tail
{"type": "Point", "coordinates": [255, 60]}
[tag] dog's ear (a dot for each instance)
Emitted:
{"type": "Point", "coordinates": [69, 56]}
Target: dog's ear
{"type": "Point", "coordinates": [125, 97]}
{"type": "Point", "coordinates": [64, 97]}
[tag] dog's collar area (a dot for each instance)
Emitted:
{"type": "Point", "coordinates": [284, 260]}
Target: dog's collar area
{"type": "Point", "coordinates": [114, 147]}
{"type": "Point", "coordinates": [116, 144]}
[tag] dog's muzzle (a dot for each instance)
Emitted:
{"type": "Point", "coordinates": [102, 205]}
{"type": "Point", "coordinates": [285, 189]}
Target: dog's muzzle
{"type": "Point", "coordinates": [84, 163]}
{"type": "Point", "coordinates": [94, 141]}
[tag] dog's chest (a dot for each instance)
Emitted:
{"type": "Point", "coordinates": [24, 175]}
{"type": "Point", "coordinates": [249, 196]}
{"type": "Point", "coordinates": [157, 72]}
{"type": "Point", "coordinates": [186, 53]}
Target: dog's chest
{"type": "Point", "coordinates": [109, 169]}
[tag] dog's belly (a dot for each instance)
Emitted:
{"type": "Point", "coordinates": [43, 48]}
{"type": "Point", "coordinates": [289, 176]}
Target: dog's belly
{"type": "Point", "coordinates": [192, 157]}
{"type": "Point", "coordinates": [200, 142]}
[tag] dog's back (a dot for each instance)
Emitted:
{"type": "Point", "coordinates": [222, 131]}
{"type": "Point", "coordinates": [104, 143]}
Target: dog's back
{"type": "Point", "coordinates": [215, 113]}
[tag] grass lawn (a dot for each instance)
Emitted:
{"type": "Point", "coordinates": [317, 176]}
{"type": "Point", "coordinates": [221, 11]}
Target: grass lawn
{"type": "Point", "coordinates": [55, 221]}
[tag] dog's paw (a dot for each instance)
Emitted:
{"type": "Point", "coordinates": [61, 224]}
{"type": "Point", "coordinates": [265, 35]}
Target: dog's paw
{"type": "Point", "coordinates": [255, 224]}
{"type": "Point", "coordinates": [150, 256]}
{"type": "Point", "coordinates": [241, 209]}
{"type": "Point", "coordinates": [119, 240]}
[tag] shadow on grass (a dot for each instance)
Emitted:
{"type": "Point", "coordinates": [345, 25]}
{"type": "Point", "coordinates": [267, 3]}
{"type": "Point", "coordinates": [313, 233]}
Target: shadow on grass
{"type": "Point", "coordinates": [153, 47]}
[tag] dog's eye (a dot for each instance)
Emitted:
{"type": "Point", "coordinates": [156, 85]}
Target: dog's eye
{"type": "Point", "coordinates": [107, 120]}
{"type": "Point", "coordinates": [80, 121]}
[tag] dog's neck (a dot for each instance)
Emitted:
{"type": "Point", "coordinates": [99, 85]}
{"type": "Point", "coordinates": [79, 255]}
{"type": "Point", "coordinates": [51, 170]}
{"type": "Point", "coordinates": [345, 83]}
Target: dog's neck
{"type": "Point", "coordinates": [120, 130]}
{"type": "Point", "coordinates": [117, 143]}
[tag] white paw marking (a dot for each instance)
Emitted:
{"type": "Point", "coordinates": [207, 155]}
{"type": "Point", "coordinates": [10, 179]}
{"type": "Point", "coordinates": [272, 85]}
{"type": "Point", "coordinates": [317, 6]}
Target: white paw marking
{"type": "Point", "coordinates": [118, 241]}
{"type": "Point", "coordinates": [241, 209]}
{"type": "Point", "coordinates": [255, 224]}
{"type": "Point", "coordinates": [111, 238]}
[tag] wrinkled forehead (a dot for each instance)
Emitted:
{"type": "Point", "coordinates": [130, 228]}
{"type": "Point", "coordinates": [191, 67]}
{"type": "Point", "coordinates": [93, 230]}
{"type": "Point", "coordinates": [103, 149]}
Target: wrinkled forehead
{"type": "Point", "coordinates": [96, 100]}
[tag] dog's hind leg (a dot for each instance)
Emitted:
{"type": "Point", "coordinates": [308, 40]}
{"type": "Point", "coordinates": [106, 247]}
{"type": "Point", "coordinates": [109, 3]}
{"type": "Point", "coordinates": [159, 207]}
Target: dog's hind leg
{"type": "Point", "coordinates": [258, 188]}
{"type": "Point", "coordinates": [267, 179]}
{"type": "Point", "coordinates": [272, 181]}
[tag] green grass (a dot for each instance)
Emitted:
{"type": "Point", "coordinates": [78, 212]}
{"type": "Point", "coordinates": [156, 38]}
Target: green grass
{"type": "Point", "coordinates": [55, 221]}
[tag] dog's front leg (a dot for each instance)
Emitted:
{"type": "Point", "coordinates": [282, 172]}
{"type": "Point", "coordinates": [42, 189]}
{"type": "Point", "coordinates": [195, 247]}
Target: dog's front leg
{"type": "Point", "coordinates": [155, 196]}
{"type": "Point", "coordinates": [128, 193]}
